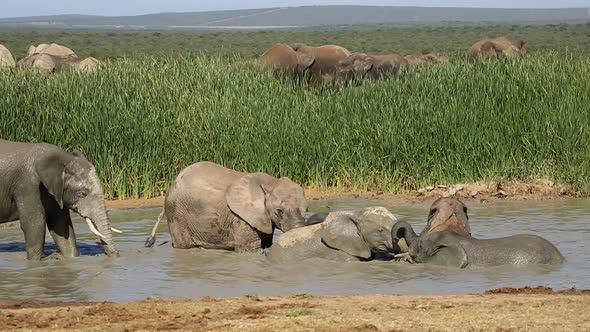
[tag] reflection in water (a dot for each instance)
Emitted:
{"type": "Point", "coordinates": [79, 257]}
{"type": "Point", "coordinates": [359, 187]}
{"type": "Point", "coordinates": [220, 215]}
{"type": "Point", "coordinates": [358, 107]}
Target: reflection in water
{"type": "Point", "coordinates": [167, 273]}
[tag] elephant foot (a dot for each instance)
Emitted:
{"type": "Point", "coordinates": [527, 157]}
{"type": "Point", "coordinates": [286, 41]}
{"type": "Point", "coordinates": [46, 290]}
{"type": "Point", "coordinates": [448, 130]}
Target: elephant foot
{"type": "Point", "coordinates": [404, 257]}
{"type": "Point", "coordinates": [53, 257]}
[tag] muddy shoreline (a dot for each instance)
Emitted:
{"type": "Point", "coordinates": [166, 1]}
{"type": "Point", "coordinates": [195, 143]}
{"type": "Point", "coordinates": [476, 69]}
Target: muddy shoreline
{"type": "Point", "coordinates": [536, 309]}
{"type": "Point", "coordinates": [478, 192]}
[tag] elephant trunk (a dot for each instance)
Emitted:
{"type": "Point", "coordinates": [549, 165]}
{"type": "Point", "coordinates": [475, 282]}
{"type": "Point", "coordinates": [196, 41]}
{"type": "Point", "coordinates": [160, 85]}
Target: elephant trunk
{"type": "Point", "coordinates": [402, 231]}
{"type": "Point", "coordinates": [99, 224]}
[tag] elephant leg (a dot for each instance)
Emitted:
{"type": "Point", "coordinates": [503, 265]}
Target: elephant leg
{"type": "Point", "coordinates": [32, 223]}
{"type": "Point", "coordinates": [246, 238]}
{"type": "Point", "coordinates": [62, 231]}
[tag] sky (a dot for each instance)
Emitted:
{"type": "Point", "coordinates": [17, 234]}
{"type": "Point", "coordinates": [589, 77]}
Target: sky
{"type": "Point", "coordinates": [15, 8]}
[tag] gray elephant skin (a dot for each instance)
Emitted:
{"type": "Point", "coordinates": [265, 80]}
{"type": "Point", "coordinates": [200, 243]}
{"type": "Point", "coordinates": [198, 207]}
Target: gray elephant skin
{"type": "Point", "coordinates": [212, 207]}
{"type": "Point", "coordinates": [447, 243]}
{"type": "Point", "coordinates": [343, 236]}
{"type": "Point", "coordinates": [360, 65]}
{"type": "Point", "coordinates": [39, 184]}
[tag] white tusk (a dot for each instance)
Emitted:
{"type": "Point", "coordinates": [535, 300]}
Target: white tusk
{"type": "Point", "coordinates": [116, 230]}
{"type": "Point", "coordinates": [93, 229]}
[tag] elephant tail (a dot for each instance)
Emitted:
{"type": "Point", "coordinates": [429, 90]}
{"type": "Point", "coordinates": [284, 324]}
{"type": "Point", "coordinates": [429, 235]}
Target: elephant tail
{"type": "Point", "coordinates": [151, 240]}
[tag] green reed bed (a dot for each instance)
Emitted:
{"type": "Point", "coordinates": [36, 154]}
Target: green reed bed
{"type": "Point", "coordinates": [141, 121]}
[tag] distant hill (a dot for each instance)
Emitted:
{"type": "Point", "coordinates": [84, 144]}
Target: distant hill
{"type": "Point", "coordinates": [311, 16]}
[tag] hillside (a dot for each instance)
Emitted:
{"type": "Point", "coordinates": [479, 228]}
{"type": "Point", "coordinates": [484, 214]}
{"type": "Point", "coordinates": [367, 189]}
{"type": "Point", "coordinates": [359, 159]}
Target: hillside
{"type": "Point", "coordinates": [311, 16]}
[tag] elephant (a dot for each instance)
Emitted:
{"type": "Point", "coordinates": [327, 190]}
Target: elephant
{"type": "Point", "coordinates": [213, 207]}
{"type": "Point", "coordinates": [317, 218]}
{"type": "Point", "coordinates": [344, 236]}
{"type": "Point", "coordinates": [51, 63]}
{"type": "Point", "coordinates": [282, 58]}
{"type": "Point", "coordinates": [372, 66]}
{"type": "Point", "coordinates": [39, 184]}
{"type": "Point", "coordinates": [426, 59]}
{"type": "Point", "coordinates": [326, 58]}
{"type": "Point", "coordinates": [497, 47]}
{"type": "Point", "coordinates": [447, 243]}
{"type": "Point", "coordinates": [51, 49]}
{"type": "Point", "coordinates": [6, 58]}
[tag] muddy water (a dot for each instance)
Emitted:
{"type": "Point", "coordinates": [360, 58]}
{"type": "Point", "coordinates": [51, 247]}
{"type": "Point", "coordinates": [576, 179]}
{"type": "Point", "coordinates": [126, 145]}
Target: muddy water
{"type": "Point", "coordinates": [167, 273]}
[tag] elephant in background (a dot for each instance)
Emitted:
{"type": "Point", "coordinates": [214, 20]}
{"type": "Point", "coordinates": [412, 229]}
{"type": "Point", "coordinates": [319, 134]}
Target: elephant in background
{"type": "Point", "coordinates": [496, 48]}
{"type": "Point", "coordinates": [426, 59]}
{"type": "Point", "coordinates": [212, 207]}
{"type": "Point", "coordinates": [51, 49]}
{"type": "Point", "coordinates": [283, 59]}
{"type": "Point", "coordinates": [51, 63]}
{"type": "Point", "coordinates": [326, 58]}
{"type": "Point", "coordinates": [39, 184]}
{"type": "Point", "coordinates": [6, 58]}
{"type": "Point", "coordinates": [372, 66]}
{"type": "Point", "coordinates": [343, 236]}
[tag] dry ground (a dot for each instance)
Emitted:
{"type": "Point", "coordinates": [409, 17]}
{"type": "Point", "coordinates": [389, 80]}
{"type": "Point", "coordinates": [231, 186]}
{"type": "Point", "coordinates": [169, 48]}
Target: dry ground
{"type": "Point", "coordinates": [537, 309]}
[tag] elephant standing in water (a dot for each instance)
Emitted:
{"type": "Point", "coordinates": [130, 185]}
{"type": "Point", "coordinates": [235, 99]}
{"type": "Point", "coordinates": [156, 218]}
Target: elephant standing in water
{"type": "Point", "coordinates": [212, 207]}
{"type": "Point", "coordinates": [449, 245]}
{"type": "Point", "coordinates": [343, 236]}
{"type": "Point", "coordinates": [39, 184]}
{"type": "Point", "coordinates": [373, 66]}
{"type": "Point", "coordinates": [282, 58]}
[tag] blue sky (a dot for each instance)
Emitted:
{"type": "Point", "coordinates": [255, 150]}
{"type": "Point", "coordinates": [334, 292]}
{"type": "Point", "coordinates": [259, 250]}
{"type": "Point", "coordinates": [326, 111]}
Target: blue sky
{"type": "Point", "coordinates": [13, 8]}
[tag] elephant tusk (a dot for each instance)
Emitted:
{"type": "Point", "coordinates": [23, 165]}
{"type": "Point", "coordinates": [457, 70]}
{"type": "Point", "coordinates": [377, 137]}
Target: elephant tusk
{"type": "Point", "coordinates": [116, 230]}
{"type": "Point", "coordinates": [93, 229]}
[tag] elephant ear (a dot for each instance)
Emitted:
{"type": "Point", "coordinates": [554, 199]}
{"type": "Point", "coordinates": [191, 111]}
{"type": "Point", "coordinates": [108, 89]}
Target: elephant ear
{"type": "Point", "coordinates": [362, 65]}
{"type": "Point", "coordinates": [450, 254]}
{"type": "Point", "coordinates": [343, 234]}
{"type": "Point", "coordinates": [51, 172]}
{"type": "Point", "coordinates": [246, 198]}
{"type": "Point", "coordinates": [304, 61]}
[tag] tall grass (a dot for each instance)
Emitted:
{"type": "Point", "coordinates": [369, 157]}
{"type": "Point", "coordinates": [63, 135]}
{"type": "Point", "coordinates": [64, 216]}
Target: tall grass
{"type": "Point", "coordinates": [141, 121]}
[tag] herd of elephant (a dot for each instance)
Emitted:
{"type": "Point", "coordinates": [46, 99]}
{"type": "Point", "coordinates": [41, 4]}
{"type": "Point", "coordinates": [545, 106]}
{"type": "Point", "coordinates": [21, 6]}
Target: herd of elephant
{"type": "Point", "coordinates": [211, 207]}
{"type": "Point", "coordinates": [322, 64]}
{"type": "Point", "coordinates": [48, 58]}
{"type": "Point", "coordinates": [333, 63]}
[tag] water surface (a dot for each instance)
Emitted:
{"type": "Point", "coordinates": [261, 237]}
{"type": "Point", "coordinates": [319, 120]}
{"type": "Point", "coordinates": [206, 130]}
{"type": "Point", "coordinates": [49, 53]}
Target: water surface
{"type": "Point", "coordinates": [163, 272]}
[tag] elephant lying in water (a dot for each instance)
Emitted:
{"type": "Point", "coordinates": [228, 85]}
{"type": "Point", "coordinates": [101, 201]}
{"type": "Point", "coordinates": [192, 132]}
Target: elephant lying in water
{"type": "Point", "coordinates": [343, 236]}
{"type": "Point", "coordinates": [448, 244]}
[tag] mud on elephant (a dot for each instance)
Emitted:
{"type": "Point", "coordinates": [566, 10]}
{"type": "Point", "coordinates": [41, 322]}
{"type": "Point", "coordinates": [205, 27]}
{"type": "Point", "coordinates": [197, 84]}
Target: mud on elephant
{"type": "Point", "coordinates": [40, 184]}
{"type": "Point", "coordinates": [343, 236]}
{"type": "Point", "coordinates": [212, 207]}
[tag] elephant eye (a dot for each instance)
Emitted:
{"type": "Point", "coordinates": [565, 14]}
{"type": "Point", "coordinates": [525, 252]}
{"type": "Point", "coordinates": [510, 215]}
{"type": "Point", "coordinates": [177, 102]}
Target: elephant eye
{"type": "Point", "coordinates": [433, 211]}
{"type": "Point", "coordinates": [82, 194]}
{"type": "Point", "coordinates": [279, 212]}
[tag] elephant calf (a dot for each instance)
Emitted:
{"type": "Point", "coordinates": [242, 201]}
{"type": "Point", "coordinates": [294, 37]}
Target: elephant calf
{"type": "Point", "coordinates": [343, 236]}
{"type": "Point", "coordinates": [455, 250]}
{"type": "Point", "coordinates": [212, 207]}
{"type": "Point", "coordinates": [371, 66]}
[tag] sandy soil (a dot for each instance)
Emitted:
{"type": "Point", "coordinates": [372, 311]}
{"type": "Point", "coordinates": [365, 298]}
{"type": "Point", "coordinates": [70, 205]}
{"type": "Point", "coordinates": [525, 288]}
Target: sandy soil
{"type": "Point", "coordinates": [481, 192]}
{"type": "Point", "coordinates": [532, 309]}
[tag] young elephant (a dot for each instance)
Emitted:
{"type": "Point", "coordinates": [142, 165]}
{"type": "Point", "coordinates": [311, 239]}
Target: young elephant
{"type": "Point", "coordinates": [372, 66]}
{"type": "Point", "coordinates": [212, 207]}
{"type": "Point", "coordinates": [343, 236]}
{"type": "Point", "coordinates": [448, 248]}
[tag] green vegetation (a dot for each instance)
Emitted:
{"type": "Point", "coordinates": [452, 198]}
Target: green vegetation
{"type": "Point", "coordinates": [141, 121]}
{"type": "Point", "coordinates": [110, 44]}
{"type": "Point", "coordinates": [299, 313]}
{"type": "Point", "coordinates": [301, 296]}
{"type": "Point", "coordinates": [319, 16]}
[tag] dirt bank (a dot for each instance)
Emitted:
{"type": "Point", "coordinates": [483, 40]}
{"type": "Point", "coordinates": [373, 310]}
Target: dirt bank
{"type": "Point", "coordinates": [480, 192]}
{"type": "Point", "coordinates": [489, 312]}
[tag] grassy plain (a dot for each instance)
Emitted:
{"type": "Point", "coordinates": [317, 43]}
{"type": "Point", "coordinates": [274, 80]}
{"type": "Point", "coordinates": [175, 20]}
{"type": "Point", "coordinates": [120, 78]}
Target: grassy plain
{"type": "Point", "coordinates": [144, 118]}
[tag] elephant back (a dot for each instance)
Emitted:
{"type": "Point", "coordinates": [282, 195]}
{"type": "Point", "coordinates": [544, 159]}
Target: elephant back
{"type": "Point", "coordinates": [6, 58]}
